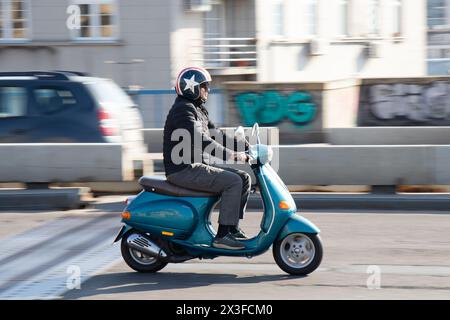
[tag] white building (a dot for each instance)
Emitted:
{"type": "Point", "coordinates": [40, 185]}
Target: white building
{"type": "Point", "coordinates": [146, 42]}
{"type": "Point", "coordinates": [330, 39]}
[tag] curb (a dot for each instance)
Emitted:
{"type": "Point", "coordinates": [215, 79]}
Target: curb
{"type": "Point", "coordinates": [43, 199]}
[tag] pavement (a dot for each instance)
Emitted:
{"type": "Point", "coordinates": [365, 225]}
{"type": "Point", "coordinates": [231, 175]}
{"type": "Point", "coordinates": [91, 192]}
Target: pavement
{"type": "Point", "coordinates": [367, 255]}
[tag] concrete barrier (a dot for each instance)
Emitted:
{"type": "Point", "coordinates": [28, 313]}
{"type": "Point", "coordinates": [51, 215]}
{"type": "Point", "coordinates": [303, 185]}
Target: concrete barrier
{"type": "Point", "coordinates": [388, 135]}
{"type": "Point", "coordinates": [60, 162]}
{"type": "Point", "coordinates": [364, 165]}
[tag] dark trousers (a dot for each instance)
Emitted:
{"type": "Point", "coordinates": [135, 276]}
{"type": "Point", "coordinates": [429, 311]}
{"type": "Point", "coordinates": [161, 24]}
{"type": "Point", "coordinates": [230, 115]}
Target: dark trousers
{"type": "Point", "coordinates": [232, 184]}
{"type": "Point", "coordinates": [246, 185]}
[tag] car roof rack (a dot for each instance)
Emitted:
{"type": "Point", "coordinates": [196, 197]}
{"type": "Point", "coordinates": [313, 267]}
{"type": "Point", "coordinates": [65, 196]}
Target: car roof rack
{"type": "Point", "coordinates": [73, 73]}
{"type": "Point", "coordinates": [44, 75]}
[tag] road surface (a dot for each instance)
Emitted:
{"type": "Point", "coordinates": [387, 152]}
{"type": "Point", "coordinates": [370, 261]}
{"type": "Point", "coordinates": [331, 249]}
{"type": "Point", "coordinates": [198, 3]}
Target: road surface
{"type": "Point", "coordinates": [367, 255]}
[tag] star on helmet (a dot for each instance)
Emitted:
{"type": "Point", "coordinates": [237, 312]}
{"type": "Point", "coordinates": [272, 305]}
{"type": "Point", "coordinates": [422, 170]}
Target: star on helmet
{"type": "Point", "coordinates": [190, 84]}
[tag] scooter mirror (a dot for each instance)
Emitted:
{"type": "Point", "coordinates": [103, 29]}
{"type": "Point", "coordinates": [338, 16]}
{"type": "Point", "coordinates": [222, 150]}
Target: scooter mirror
{"type": "Point", "coordinates": [239, 133]}
{"type": "Point", "coordinates": [255, 131]}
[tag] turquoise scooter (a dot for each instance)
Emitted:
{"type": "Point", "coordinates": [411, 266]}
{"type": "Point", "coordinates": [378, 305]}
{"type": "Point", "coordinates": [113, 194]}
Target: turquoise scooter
{"type": "Point", "coordinates": [168, 224]}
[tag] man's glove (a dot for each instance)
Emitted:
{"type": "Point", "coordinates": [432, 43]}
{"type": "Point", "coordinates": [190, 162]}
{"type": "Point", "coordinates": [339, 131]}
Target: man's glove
{"type": "Point", "coordinates": [241, 157]}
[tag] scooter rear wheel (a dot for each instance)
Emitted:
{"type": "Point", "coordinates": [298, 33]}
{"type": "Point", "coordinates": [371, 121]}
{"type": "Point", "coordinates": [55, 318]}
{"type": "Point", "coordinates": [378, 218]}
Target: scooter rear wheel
{"type": "Point", "coordinates": [298, 253]}
{"type": "Point", "coordinates": [139, 261]}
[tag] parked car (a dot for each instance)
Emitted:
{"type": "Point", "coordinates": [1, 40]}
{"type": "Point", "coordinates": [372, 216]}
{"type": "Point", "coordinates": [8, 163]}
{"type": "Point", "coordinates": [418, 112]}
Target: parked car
{"type": "Point", "coordinates": [46, 107]}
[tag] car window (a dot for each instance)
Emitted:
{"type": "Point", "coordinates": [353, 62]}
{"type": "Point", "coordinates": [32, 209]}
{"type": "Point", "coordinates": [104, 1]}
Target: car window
{"type": "Point", "coordinates": [13, 102]}
{"type": "Point", "coordinates": [51, 100]}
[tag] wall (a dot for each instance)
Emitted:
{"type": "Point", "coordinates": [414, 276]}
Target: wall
{"type": "Point", "coordinates": [303, 110]}
{"type": "Point", "coordinates": [405, 102]}
{"type": "Point", "coordinates": [240, 18]}
{"type": "Point", "coordinates": [300, 110]}
{"type": "Point", "coordinates": [186, 34]}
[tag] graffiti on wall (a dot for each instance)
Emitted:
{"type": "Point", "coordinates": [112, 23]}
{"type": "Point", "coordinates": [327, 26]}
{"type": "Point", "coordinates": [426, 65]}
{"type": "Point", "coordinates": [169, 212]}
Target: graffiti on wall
{"type": "Point", "coordinates": [273, 107]}
{"type": "Point", "coordinates": [406, 104]}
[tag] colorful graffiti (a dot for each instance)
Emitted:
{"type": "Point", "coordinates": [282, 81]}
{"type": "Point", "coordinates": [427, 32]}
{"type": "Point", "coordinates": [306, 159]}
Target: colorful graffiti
{"type": "Point", "coordinates": [273, 107]}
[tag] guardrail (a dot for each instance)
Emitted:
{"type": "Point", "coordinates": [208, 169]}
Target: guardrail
{"type": "Point", "coordinates": [155, 105]}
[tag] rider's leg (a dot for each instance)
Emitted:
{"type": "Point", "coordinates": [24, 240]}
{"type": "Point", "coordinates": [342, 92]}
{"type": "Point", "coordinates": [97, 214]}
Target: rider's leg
{"type": "Point", "coordinates": [236, 231]}
{"type": "Point", "coordinates": [246, 186]}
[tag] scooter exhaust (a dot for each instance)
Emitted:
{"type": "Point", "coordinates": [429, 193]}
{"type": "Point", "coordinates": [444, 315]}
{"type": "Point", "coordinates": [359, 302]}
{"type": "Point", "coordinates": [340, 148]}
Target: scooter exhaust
{"type": "Point", "coordinates": [142, 244]}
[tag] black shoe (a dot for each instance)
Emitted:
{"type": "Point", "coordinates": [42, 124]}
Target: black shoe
{"type": "Point", "coordinates": [238, 234]}
{"type": "Point", "coordinates": [227, 242]}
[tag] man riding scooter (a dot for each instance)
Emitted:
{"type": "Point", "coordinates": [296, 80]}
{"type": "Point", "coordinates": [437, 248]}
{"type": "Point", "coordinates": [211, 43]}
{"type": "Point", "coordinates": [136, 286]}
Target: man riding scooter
{"type": "Point", "coordinates": [189, 113]}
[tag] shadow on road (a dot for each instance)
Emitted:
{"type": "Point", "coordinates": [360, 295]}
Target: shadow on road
{"type": "Point", "coordinates": [132, 282]}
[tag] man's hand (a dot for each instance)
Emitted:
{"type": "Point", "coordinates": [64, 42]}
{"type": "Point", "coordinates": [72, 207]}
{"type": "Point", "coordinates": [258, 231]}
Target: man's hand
{"type": "Point", "coordinates": [241, 157]}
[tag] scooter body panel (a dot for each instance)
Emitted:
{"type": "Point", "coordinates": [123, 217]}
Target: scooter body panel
{"type": "Point", "coordinates": [167, 216]}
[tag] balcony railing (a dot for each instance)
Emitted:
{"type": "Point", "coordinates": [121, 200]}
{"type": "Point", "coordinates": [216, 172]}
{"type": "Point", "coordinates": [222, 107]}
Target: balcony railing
{"type": "Point", "coordinates": [223, 53]}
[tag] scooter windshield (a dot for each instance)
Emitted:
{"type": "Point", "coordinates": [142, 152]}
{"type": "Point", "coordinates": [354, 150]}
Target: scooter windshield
{"type": "Point", "coordinates": [261, 152]}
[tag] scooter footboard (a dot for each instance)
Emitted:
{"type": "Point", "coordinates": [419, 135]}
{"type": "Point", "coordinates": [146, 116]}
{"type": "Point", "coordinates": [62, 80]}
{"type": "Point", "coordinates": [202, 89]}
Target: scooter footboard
{"type": "Point", "coordinates": [297, 223]}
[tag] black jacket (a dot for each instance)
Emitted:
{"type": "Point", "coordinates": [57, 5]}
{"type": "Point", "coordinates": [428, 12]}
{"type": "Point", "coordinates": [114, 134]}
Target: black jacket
{"type": "Point", "coordinates": [193, 118]}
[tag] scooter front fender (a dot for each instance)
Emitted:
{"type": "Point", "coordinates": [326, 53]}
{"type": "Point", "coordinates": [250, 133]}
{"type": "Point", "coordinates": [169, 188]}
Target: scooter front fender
{"type": "Point", "coordinates": [297, 223]}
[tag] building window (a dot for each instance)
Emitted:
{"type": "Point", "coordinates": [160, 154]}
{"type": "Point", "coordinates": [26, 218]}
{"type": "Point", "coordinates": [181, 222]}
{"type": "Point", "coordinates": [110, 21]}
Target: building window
{"type": "Point", "coordinates": [14, 20]}
{"type": "Point", "coordinates": [278, 18]}
{"type": "Point", "coordinates": [98, 20]}
{"type": "Point", "coordinates": [397, 17]}
{"type": "Point", "coordinates": [310, 9]}
{"type": "Point", "coordinates": [373, 21]}
{"type": "Point", "coordinates": [343, 16]}
{"type": "Point", "coordinates": [437, 14]}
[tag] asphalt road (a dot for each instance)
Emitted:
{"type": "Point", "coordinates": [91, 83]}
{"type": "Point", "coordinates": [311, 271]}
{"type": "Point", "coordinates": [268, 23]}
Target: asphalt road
{"type": "Point", "coordinates": [367, 255]}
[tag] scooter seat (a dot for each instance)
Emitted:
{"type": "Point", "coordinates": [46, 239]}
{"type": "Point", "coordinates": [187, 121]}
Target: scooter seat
{"type": "Point", "coordinates": [162, 186]}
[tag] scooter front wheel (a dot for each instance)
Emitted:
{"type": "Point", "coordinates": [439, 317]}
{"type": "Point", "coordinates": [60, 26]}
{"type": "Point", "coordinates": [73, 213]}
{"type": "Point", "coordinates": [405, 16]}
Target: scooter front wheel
{"type": "Point", "coordinates": [298, 253]}
{"type": "Point", "coordinates": [138, 260]}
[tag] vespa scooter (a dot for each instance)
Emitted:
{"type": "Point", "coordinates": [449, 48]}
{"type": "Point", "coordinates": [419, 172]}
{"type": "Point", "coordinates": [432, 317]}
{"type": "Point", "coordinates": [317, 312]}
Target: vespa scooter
{"type": "Point", "coordinates": [168, 224]}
